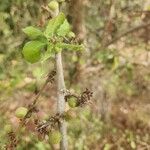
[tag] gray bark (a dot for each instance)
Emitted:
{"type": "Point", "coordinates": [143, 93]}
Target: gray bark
{"type": "Point", "coordinates": [61, 100]}
{"type": "Point", "coordinates": [60, 96]}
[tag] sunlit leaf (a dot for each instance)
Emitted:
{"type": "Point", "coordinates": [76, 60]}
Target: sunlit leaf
{"type": "Point", "coordinates": [54, 24]}
{"type": "Point", "coordinates": [64, 29]}
{"type": "Point", "coordinates": [32, 32]}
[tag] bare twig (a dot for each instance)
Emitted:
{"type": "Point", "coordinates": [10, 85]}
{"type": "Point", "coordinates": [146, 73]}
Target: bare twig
{"type": "Point", "coordinates": [127, 32]}
{"type": "Point", "coordinates": [82, 99]}
{"type": "Point", "coordinates": [61, 100]}
{"type": "Point", "coordinates": [45, 8]}
{"type": "Point", "coordinates": [32, 106]}
{"type": "Point", "coordinates": [52, 121]}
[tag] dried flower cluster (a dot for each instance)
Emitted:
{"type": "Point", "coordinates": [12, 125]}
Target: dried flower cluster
{"type": "Point", "coordinates": [12, 141]}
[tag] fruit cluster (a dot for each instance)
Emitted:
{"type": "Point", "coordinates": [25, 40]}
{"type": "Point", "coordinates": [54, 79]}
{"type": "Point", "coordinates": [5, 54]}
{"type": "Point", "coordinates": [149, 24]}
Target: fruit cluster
{"type": "Point", "coordinates": [50, 127]}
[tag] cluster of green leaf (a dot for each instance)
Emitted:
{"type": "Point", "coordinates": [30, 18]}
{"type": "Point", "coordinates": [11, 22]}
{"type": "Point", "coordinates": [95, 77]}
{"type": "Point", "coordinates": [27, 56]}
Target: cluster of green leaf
{"type": "Point", "coordinates": [51, 40]}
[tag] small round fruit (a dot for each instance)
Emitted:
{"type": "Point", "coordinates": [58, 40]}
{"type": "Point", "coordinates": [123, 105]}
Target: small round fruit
{"type": "Point", "coordinates": [72, 102]}
{"type": "Point", "coordinates": [69, 115]}
{"type": "Point", "coordinates": [53, 5]}
{"type": "Point", "coordinates": [21, 112]}
{"type": "Point", "coordinates": [71, 35]}
{"type": "Point", "coordinates": [8, 128]}
{"type": "Point", "coordinates": [58, 49]}
{"type": "Point", "coordinates": [55, 137]}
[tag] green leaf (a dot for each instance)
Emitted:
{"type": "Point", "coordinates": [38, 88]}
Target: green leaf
{"type": "Point", "coordinates": [32, 51]}
{"type": "Point", "coordinates": [42, 39]}
{"type": "Point", "coordinates": [54, 24]}
{"type": "Point", "coordinates": [64, 29]}
{"type": "Point", "coordinates": [115, 63]}
{"type": "Point", "coordinates": [72, 47]}
{"type": "Point", "coordinates": [48, 53]}
{"type": "Point", "coordinates": [32, 32]}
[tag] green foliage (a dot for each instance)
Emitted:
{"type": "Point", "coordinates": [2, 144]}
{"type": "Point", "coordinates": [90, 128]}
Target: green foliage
{"type": "Point", "coordinates": [49, 52]}
{"type": "Point", "coordinates": [32, 32]}
{"type": "Point", "coordinates": [32, 51]}
{"type": "Point", "coordinates": [71, 47]}
{"type": "Point", "coordinates": [64, 29]}
{"type": "Point", "coordinates": [57, 28]}
{"type": "Point", "coordinates": [54, 24]}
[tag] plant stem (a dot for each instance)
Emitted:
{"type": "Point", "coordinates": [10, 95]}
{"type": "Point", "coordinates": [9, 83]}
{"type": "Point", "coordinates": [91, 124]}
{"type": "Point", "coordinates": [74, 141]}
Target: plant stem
{"type": "Point", "coordinates": [60, 96]}
{"type": "Point", "coordinates": [61, 100]}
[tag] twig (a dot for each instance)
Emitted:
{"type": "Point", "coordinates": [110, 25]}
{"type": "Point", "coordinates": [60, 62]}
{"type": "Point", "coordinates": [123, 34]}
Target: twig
{"type": "Point", "coordinates": [45, 8]}
{"type": "Point", "coordinates": [50, 122]}
{"type": "Point", "coordinates": [126, 33]}
{"type": "Point", "coordinates": [32, 107]}
{"type": "Point", "coordinates": [83, 98]}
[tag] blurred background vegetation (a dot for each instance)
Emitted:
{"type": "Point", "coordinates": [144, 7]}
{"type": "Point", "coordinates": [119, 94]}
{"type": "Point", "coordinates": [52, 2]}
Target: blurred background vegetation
{"type": "Point", "coordinates": [115, 66]}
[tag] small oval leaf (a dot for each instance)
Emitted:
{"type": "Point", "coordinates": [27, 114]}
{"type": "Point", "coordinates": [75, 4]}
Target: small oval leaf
{"type": "Point", "coordinates": [32, 32]}
{"type": "Point", "coordinates": [64, 29]}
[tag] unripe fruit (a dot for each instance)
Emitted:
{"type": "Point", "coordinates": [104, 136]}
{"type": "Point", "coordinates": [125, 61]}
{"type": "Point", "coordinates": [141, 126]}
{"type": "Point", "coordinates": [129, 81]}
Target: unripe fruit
{"type": "Point", "coordinates": [8, 128]}
{"type": "Point", "coordinates": [21, 112]}
{"type": "Point", "coordinates": [53, 5]}
{"type": "Point", "coordinates": [71, 35]}
{"type": "Point", "coordinates": [72, 102]}
{"type": "Point", "coordinates": [69, 115]}
{"type": "Point", "coordinates": [55, 137]}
